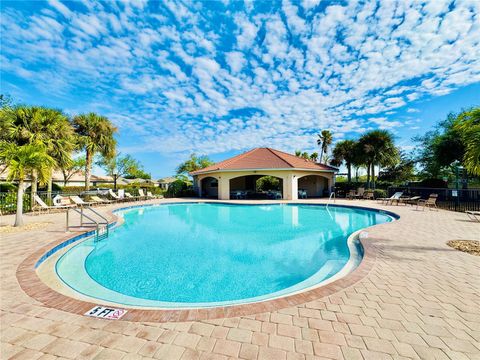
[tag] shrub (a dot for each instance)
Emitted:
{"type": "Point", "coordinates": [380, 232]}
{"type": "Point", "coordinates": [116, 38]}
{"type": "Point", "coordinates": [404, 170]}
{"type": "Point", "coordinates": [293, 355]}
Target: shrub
{"type": "Point", "coordinates": [433, 183]}
{"type": "Point", "coordinates": [267, 183]}
{"type": "Point", "coordinates": [6, 187]}
{"type": "Point", "coordinates": [379, 193]}
{"type": "Point", "coordinates": [55, 188]}
{"type": "Point", "coordinates": [180, 188]}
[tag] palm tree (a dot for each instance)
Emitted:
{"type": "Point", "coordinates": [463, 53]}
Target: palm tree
{"type": "Point", "coordinates": [20, 160]}
{"type": "Point", "coordinates": [95, 134]}
{"type": "Point", "coordinates": [379, 150]}
{"type": "Point", "coordinates": [41, 126]}
{"type": "Point", "coordinates": [324, 141]}
{"type": "Point", "coordinates": [468, 123]}
{"type": "Point", "coordinates": [344, 151]}
{"type": "Point", "coordinates": [314, 156]}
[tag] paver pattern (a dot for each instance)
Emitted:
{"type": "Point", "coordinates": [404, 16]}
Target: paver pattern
{"type": "Point", "coordinates": [420, 300]}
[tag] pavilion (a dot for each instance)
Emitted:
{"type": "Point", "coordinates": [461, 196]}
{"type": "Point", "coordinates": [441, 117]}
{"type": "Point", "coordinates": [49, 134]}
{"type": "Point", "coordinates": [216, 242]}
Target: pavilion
{"type": "Point", "coordinates": [241, 172]}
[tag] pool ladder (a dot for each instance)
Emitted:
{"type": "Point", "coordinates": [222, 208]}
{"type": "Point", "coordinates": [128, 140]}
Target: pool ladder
{"type": "Point", "coordinates": [101, 226]}
{"type": "Point", "coordinates": [332, 195]}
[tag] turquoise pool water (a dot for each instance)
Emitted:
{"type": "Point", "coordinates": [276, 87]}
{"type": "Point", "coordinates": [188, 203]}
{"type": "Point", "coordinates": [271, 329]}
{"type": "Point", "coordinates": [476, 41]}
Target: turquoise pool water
{"type": "Point", "coordinates": [205, 254]}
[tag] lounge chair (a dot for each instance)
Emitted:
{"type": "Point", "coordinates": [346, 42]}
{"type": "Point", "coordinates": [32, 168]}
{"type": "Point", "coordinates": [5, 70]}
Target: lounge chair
{"type": "Point", "coordinates": [409, 200]}
{"type": "Point", "coordinates": [42, 206]}
{"type": "Point", "coordinates": [369, 195]}
{"type": "Point", "coordinates": [80, 202]}
{"type": "Point", "coordinates": [101, 200]}
{"type": "Point", "coordinates": [360, 193]}
{"type": "Point", "coordinates": [131, 197]}
{"type": "Point", "coordinates": [142, 195]}
{"type": "Point", "coordinates": [149, 194]}
{"type": "Point", "coordinates": [115, 196]}
{"type": "Point", "coordinates": [351, 194]}
{"type": "Point", "coordinates": [473, 215]}
{"type": "Point", "coordinates": [395, 197]}
{"type": "Point", "coordinates": [430, 202]}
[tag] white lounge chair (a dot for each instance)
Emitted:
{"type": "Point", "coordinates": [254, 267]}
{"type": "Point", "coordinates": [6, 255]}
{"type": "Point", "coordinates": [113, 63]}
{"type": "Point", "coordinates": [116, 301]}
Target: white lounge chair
{"type": "Point", "coordinates": [101, 200]}
{"type": "Point", "coordinates": [115, 196]}
{"type": "Point", "coordinates": [80, 202]}
{"type": "Point", "coordinates": [131, 197]}
{"type": "Point", "coordinates": [42, 206]}
{"type": "Point", "coordinates": [409, 200]}
{"type": "Point", "coordinates": [149, 194]}
{"type": "Point", "coordinates": [395, 197]}
{"type": "Point", "coordinates": [142, 194]}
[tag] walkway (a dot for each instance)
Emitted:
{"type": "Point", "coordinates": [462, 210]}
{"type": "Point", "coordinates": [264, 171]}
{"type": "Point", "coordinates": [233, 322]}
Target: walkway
{"type": "Point", "coordinates": [421, 300]}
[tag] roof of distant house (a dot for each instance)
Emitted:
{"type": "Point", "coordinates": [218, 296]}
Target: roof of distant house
{"type": "Point", "coordinates": [167, 180]}
{"type": "Point", "coordinates": [265, 158]}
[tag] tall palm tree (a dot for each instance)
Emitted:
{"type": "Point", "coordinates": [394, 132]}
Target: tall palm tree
{"type": "Point", "coordinates": [20, 160]}
{"type": "Point", "coordinates": [344, 152]}
{"type": "Point", "coordinates": [324, 140]}
{"type": "Point", "coordinates": [379, 150]}
{"type": "Point", "coordinates": [468, 123]}
{"type": "Point", "coordinates": [95, 134]}
{"type": "Point", "coordinates": [41, 126]}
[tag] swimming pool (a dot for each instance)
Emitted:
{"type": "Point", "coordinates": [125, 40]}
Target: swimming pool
{"type": "Point", "coordinates": [210, 254]}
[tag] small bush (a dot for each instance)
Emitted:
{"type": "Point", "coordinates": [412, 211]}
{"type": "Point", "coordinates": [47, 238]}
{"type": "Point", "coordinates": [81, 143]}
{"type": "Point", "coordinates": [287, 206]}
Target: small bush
{"type": "Point", "coordinates": [44, 188]}
{"type": "Point", "coordinates": [6, 187]}
{"type": "Point", "coordinates": [180, 188]}
{"type": "Point", "coordinates": [379, 193]}
{"type": "Point", "coordinates": [433, 183]}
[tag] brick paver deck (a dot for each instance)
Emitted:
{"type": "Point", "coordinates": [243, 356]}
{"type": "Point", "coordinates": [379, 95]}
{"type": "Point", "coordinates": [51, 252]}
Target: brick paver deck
{"type": "Point", "coordinates": [420, 300]}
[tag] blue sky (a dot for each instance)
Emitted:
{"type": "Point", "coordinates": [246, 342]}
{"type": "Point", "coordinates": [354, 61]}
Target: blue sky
{"type": "Point", "coordinates": [221, 77]}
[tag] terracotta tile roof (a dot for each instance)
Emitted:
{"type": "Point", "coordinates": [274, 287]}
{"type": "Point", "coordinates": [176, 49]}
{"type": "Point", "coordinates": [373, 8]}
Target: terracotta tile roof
{"type": "Point", "coordinates": [265, 158]}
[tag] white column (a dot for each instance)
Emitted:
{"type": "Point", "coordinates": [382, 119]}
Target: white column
{"type": "Point", "coordinates": [290, 187]}
{"type": "Point", "coordinates": [223, 188]}
{"type": "Point", "coordinates": [199, 186]}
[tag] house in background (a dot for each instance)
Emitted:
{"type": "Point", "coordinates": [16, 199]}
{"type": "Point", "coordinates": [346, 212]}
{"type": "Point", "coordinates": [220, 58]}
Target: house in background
{"type": "Point", "coordinates": [164, 183]}
{"type": "Point", "coordinates": [76, 179]}
{"type": "Point", "coordinates": [241, 172]}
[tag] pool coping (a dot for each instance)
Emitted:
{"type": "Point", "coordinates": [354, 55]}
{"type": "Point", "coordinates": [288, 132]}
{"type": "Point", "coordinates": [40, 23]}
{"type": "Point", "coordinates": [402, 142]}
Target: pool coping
{"type": "Point", "coordinates": [33, 286]}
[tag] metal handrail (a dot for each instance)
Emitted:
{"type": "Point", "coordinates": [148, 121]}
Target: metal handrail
{"type": "Point", "coordinates": [93, 221]}
{"type": "Point", "coordinates": [332, 194]}
{"type": "Point", "coordinates": [98, 214]}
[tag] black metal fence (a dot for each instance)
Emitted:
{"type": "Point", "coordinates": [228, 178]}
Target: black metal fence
{"type": "Point", "coordinates": [8, 200]}
{"type": "Point", "coordinates": [448, 199]}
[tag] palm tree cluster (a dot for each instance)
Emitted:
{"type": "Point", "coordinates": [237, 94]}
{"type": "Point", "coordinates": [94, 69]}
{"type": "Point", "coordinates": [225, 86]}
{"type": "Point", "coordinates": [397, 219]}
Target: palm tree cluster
{"type": "Point", "coordinates": [374, 148]}
{"type": "Point", "coordinates": [36, 140]}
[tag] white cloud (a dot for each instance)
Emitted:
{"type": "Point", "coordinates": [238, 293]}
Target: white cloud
{"type": "Point", "coordinates": [199, 81]}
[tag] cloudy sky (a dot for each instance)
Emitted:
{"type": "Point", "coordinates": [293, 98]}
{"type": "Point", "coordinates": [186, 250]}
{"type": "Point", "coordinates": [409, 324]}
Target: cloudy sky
{"type": "Point", "coordinates": [220, 77]}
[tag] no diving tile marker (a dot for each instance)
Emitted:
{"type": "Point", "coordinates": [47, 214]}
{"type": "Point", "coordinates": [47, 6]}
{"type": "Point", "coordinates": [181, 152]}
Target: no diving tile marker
{"type": "Point", "coordinates": [103, 312]}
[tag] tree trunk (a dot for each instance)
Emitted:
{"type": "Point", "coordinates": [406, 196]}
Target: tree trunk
{"type": "Point", "coordinates": [321, 155]}
{"type": "Point", "coordinates": [368, 176]}
{"type": "Point", "coordinates": [49, 188]}
{"type": "Point", "coordinates": [88, 169]}
{"type": "Point", "coordinates": [373, 176]}
{"type": "Point", "coordinates": [19, 214]}
{"type": "Point", "coordinates": [65, 178]}
{"type": "Point", "coordinates": [349, 172]}
{"type": "Point", "coordinates": [33, 188]}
